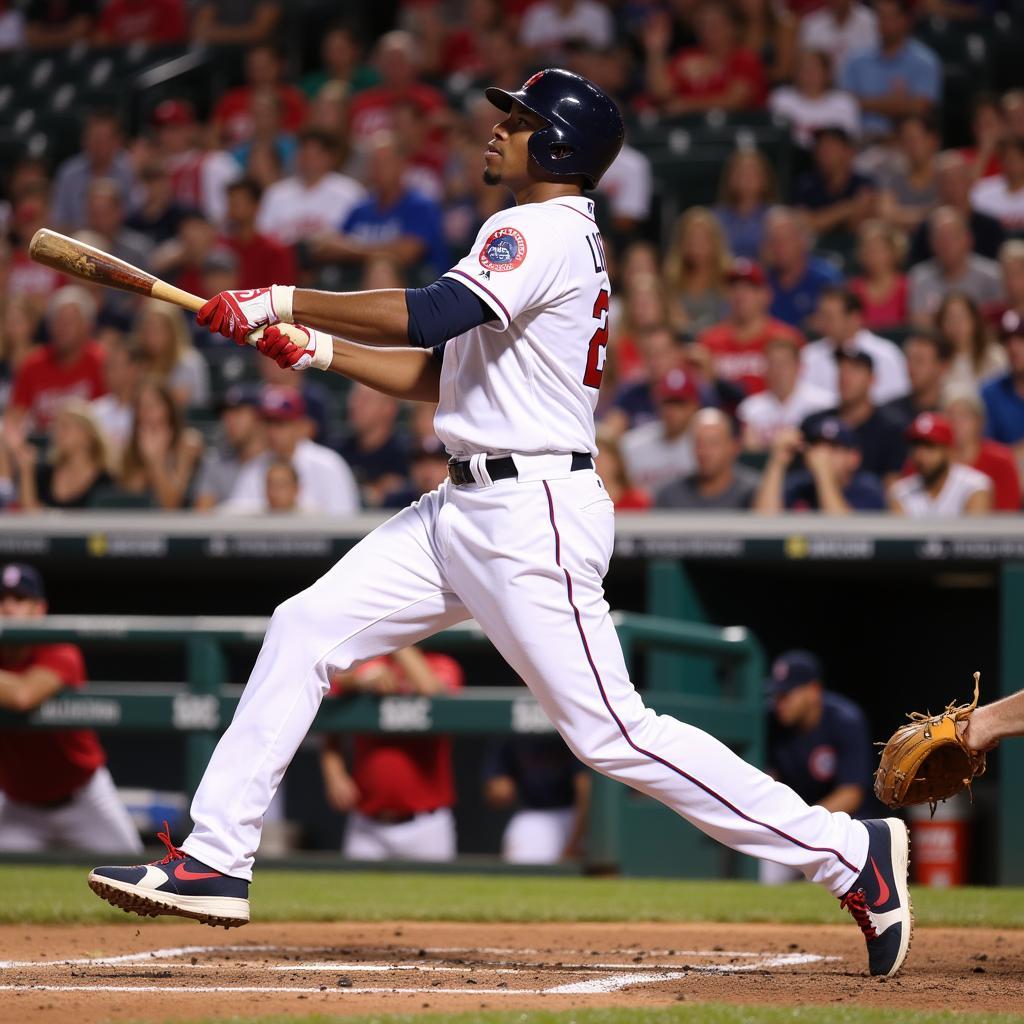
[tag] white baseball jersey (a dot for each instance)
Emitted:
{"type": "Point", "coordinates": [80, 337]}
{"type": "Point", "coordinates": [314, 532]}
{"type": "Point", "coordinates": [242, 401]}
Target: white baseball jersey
{"type": "Point", "coordinates": [961, 485]}
{"type": "Point", "coordinates": [528, 381]}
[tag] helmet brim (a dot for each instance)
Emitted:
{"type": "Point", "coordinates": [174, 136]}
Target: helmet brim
{"type": "Point", "coordinates": [503, 100]}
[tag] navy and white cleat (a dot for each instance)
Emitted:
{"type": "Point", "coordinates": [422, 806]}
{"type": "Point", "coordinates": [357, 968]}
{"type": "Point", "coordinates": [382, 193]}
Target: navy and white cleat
{"type": "Point", "coordinates": [880, 899]}
{"type": "Point", "coordinates": [178, 885]}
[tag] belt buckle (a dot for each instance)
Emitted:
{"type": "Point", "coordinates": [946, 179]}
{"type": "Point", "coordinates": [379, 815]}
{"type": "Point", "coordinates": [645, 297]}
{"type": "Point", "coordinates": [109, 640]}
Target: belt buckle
{"type": "Point", "coordinates": [458, 473]}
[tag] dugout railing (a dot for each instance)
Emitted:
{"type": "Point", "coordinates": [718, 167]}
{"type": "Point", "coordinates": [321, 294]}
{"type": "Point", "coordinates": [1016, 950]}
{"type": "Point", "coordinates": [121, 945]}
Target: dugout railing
{"type": "Point", "coordinates": [628, 832]}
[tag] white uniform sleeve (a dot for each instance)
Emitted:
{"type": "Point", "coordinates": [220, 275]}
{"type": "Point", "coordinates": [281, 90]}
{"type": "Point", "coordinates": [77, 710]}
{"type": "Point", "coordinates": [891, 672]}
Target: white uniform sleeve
{"type": "Point", "coordinates": [517, 262]}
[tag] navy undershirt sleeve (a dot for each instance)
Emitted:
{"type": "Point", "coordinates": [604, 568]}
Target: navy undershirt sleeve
{"type": "Point", "coordinates": [443, 310]}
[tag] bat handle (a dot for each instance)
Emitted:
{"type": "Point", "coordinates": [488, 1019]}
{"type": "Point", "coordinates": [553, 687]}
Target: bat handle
{"type": "Point", "coordinates": [167, 292]}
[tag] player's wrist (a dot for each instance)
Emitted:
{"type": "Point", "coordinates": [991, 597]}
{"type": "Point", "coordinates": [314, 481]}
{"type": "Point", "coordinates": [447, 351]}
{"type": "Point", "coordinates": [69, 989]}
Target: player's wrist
{"type": "Point", "coordinates": [281, 299]}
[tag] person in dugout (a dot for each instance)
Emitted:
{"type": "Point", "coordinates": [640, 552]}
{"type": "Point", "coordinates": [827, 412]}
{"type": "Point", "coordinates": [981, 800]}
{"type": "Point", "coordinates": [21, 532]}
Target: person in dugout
{"type": "Point", "coordinates": [399, 792]}
{"type": "Point", "coordinates": [55, 788]}
{"type": "Point", "coordinates": [819, 744]}
{"type": "Point", "coordinates": [550, 791]}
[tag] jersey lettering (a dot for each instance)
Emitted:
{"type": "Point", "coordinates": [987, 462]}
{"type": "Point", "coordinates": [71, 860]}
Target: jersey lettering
{"type": "Point", "coordinates": [598, 343]}
{"type": "Point", "coordinates": [597, 252]}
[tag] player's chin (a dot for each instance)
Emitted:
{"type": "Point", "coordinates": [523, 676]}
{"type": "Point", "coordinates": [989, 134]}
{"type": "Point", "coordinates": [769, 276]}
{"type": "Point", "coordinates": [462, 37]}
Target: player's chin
{"type": "Point", "coordinates": [491, 177]}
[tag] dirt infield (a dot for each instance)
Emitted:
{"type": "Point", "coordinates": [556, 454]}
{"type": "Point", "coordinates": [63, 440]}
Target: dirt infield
{"type": "Point", "coordinates": [174, 971]}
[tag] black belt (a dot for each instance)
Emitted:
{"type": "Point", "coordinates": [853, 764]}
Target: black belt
{"type": "Point", "coordinates": [504, 468]}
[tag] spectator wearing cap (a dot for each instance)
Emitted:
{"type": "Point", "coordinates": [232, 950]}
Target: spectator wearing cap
{"type": "Point", "coordinates": [658, 452]}
{"type": "Point", "coordinates": [1004, 395]}
{"type": "Point", "coordinates": [786, 401]}
{"type": "Point", "coordinates": [966, 414]}
{"type": "Point", "coordinates": [939, 486]}
{"type": "Point", "coordinates": [831, 481]}
{"type": "Point", "coordinates": [103, 156]}
{"type": "Point", "coordinates": [812, 102]}
{"type": "Point", "coordinates": [1002, 195]}
{"type": "Point", "coordinates": [929, 360]}
{"type": "Point", "coordinates": [954, 179]}
{"type": "Point", "coordinates": [737, 345]}
{"type": "Point", "coordinates": [260, 257]}
{"type": "Point", "coordinates": [819, 744]}
{"type": "Point", "coordinates": [719, 481]}
{"type": "Point", "coordinates": [69, 366]}
{"type": "Point", "coordinates": [375, 450]}
{"type": "Point", "coordinates": [393, 221]}
{"type": "Point", "coordinates": [243, 439]}
{"type": "Point", "coordinates": [122, 375]}
{"type": "Point", "coordinates": [264, 69]}
{"type": "Point", "coordinates": [716, 74]}
{"type": "Point", "coordinates": [796, 277]}
{"type": "Point", "coordinates": [839, 28]}
{"type": "Point", "coordinates": [199, 175]}
{"type": "Point", "coordinates": [899, 77]}
{"type": "Point", "coordinates": [56, 789]}
{"type": "Point", "coordinates": [154, 22]}
{"type": "Point", "coordinates": [878, 434]}
{"type": "Point", "coordinates": [835, 198]}
{"type": "Point", "coordinates": [326, 483]}
{"type": "Point", "coordinates": [314, 200]}
{"type": "Point", "coordinates": [840, 318]}
{"type": "Point", "coordinates": [953, 267]}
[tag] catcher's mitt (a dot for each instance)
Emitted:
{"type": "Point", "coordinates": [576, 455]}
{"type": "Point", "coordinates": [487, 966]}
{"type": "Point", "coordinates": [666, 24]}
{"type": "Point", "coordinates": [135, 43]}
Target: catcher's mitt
{"type": "Point", "coordinates": [927, 760]}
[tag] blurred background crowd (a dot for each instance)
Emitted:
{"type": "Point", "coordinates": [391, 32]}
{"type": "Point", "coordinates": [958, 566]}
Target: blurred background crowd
{"type": "Point", "coordinates": [812, 233]}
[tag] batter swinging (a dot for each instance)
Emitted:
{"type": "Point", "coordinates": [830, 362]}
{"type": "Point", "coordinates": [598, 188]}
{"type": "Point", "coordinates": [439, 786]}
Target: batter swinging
{"type": "Point", "coordinates": [511, 344]}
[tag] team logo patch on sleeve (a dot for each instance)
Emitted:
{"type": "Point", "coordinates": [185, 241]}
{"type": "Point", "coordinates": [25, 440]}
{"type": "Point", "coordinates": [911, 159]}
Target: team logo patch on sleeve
{"type": "Point", "coordinates": [504, 250]}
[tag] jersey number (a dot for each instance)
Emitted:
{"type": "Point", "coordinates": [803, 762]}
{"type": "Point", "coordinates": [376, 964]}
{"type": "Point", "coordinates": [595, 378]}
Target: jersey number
{"type": "Point", "coordinates": [598, 343]}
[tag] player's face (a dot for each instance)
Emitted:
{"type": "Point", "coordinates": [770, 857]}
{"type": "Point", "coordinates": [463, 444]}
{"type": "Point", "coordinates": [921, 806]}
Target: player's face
{"type": "Point", "coordinates": [507, 157]}
{"type": "Point", "coordinates": [12, 606]}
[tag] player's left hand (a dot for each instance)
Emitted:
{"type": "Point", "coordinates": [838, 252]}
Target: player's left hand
{"type": "Point", "coordinates": [237, 314]}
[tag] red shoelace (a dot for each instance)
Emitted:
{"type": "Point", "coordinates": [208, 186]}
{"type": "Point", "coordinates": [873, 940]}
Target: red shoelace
{"type": "Point", "coordinates": [173, 853]}
{"type": "Point", "coordinates": [857, 904]}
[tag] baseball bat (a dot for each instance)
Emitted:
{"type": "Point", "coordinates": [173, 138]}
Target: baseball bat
{"type": "Point", "coordinates": [69, 256]}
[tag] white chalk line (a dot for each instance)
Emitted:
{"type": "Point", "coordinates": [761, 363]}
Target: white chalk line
{"type": "Point", "coordinates": [476, 990]}
{"type": "Point", "coordinates": [600, 986]}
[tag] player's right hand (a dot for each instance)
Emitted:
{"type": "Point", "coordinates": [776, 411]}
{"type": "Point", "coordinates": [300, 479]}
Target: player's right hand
{"type": "Point", "coordinates": [237, 314]}
{"type": "Point", "coordinates": [294, 347]}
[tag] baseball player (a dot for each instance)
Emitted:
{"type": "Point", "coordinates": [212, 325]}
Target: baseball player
{"type": "Point", "coordinates": [511, 344]}
{"type": "Point", "coordinates": [55, 789]}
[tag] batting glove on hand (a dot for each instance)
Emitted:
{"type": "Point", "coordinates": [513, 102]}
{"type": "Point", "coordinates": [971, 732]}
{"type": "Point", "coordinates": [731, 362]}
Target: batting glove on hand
{"type": "Point", "coordinates": [238, 314]}
{"type": "Point", "coordinates": [294, 347]}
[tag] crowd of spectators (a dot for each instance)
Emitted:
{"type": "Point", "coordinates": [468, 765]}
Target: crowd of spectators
{"type": "Point", "coordinates": [843, 330]}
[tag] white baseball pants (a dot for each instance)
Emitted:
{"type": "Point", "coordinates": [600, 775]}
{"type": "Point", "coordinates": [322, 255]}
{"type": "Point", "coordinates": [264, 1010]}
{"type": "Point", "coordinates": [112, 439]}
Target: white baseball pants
{"type": "Point", "coordinates": [526, 559]}
{"type": "Point", "coordinates": [95, 819]}
{"type": "Point", "coordinates": [429, 836]}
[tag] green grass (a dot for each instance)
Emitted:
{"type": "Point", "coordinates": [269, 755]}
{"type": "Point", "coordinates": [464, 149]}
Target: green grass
{"type": "Point", "coordinates": [48, 895]}
{"type": "Point", "coordinates": [697, 1013]}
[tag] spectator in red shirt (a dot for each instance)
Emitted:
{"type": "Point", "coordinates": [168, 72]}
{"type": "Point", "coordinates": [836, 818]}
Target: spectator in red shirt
{"type": "Point", "coordinates": [716, 74]}
{"type": "Point", "coordinates": [57, 791]}
{"type": "Point", "coordinates": [966, 413]}
{"type": "Point", "coordinates": [398, 59]}
{"type": "Point", "coordinates": [400, 791]}
{"type": "Point", "coordinates": [263, 70]}
{"type": "Point", "coordinates": [27, 279]}
{"type": "Point", "coordinates": [737, 344]}
{"type": "Point", "coordinates": [882, 285]}
{"type": "Point", "coordinates": [260, 258]}
{"type": "Point", "coordinates": [70, 366]}
{"type": "Point", "coordinates": [148, 21]}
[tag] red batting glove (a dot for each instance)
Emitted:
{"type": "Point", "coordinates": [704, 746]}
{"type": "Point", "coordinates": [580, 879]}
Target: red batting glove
{"type": "Point", "coordinates": [280, 346]}
{"type": "Point", "coordinates": [239, 313]}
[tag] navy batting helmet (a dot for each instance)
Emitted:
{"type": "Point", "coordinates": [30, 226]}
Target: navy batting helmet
{"type": "Point", "coordinates": [584, 128]}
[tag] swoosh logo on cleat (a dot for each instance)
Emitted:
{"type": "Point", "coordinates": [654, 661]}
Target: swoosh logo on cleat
{"type": "Point", "coordinates": [185, 875]}
{"type": "Point", "coordinates": [883, 888]}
